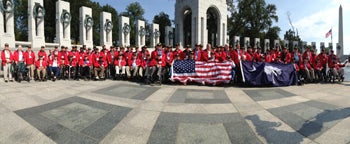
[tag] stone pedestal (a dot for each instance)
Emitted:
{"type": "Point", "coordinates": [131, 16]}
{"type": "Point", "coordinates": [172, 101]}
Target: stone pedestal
{"type": "Point", "coordinates": [86, 26]}
{"type": "Point", "coordinates": [257, 43]}
{"type": "Point", "coordinates": [169, 35]}
{"type": "Point", "coordinates": [286, 43]}
{"type": "Point", "coordinates": [7, 34]}
{"type": "Point", "coordinates": [313, 45]}
{"type": "Point", "coordinates": [106, 27]}
{"type": "Point", "coordinates": [155, 34]}
{"type": "Point", "coordinates": [63, 24]}
{"type": "Point", "coordinates": [36, 33]}
{"type": "Point", "coordinates": [296, 44]}
{"type": "Point", "coordinates": [198, 16]}
{"type": "Point", "coordinates": [124, 31]}
{"type": "Point", "coordinates": [304, 45]}
{"type": "Point", "coordinates": [141, 33]}
{"type": "Point", "coordinates": [322, 46]}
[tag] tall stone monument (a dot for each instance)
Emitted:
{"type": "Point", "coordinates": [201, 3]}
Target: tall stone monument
{"type": "Point", "coordinates": [237, 40]}
{"type": "Point", "coordinates": [286, 43]}
{"type": "Point", "coordinates": [340, 47]}
{"type": "Point", "coordinates": [169, 35]}
{"type": "Point", "coordinates": [106, 27]}
{"type": "Point", "coordinates": [124, 31]}
{"type": "Point", "coordinates": [155, 34]}
{"type": "Point", "coordinates": [86, 26]}
{"type": "Point", "coordinates": [276, 43]}
{"type": "Point", "coordinates": [266, 44]}
{"type": "Point", "coordinates": [257, 43]}
{"type": "Point", "coordinates": [141, 33]}
{"type": "Point", "coordinates": [246, 42]}
{"type": "Point", "coordinates": [36, 23]}
{"type": "Point", "coordinates": [63, 23]}
{"type": "Point", "coordinates": [201, 21]}
{"type": "Point", "coordinates": [7, 27]}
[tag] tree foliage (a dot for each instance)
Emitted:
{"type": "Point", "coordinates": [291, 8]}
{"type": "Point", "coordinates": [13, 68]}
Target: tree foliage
{"type": "Point", "coordinates": [254, 19]}
{"type": "Point", "coordinates": [163, 20]}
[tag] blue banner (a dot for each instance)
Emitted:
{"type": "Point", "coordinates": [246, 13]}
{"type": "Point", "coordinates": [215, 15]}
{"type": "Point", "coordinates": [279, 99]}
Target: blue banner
{"type": "Point", "coordinates": [269, 74]}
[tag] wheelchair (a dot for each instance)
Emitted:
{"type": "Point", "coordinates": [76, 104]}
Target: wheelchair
{"type": "Point", "coordinates": [20, 72]}
{"type": "Point", "coordinates": [333, 75]}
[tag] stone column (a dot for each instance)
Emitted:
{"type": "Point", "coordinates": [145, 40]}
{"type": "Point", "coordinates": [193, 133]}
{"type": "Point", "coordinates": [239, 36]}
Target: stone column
{"type": "Point", "coordinates": [169, 35]}
{"type": "Point", "coordinates": [36, 15]}
{"type": "Point", "coordinates": [106, 27]}
{"type": "Point", "coordinates": [63, 23]}
{"type": "Point", "coordinates": [124, 31]}
{"type": "Point", "coordinates": [257, 43]}
{"type": "Point", "coordinates": [295, 44]}
{"type": "Point", "coordinates": [155, 34]}
{"type": "Point", "coordinates": [266, 44]}
{"type": "Point", "coordinates": [86, 26]}
{"type": "Point", "coordinates": [237, 40]}
{"type": "Point", "coordinates": [286, 43]}
{"type": "Point", "coordinates": [340, 51]}
{"type": "Point", "coordinates": [276, 43]}
{"type": "Point", "coordinates": [313, 45]}
{"type": "Point", "coordinates": [7, 35]}
{"type": "Point", "coordinates": [246, 42]}
{"type": "Point", "coordinates": [322, 46]}
{"type": "Point", "coordinates": [304, 45]}
{"type": "Point", "coordinates": [141, 33]}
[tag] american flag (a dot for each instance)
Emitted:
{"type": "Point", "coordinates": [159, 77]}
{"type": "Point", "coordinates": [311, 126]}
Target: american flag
{"type": "Point", "coordinates": [201, 72]}
{"type": "Point", "coordinates": [329, 33]}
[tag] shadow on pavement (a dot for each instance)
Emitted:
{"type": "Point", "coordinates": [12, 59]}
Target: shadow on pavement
{"type": "Point", "coordinates": [269, 130]}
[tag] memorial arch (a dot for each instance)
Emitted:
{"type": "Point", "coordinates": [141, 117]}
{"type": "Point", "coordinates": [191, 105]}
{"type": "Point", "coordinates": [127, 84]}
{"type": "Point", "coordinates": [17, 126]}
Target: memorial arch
{"type": "Point", "coordinates": [200, 21]}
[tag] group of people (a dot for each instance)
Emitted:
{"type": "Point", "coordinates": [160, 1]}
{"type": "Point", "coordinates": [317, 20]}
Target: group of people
{"type": "Point", "coordinates": [133, 63]}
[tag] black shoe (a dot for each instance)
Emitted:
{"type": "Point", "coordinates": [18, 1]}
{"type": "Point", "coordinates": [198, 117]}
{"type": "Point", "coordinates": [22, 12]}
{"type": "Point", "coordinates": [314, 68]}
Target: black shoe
{"type": "Point", "coordinates": [6, 81]}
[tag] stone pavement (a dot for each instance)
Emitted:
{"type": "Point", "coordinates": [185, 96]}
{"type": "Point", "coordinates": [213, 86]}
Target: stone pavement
{"type": "Point", "coordinates": [126, 113]}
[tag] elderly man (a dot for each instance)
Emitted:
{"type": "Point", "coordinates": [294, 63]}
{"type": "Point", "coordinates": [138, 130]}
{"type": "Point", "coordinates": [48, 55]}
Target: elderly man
{"type": "Point", "coordinates": [19, 58]}
{"type": "Point", "coordinates": [7, 59]}
{"type": "Point", "coordinates": [29, 61]}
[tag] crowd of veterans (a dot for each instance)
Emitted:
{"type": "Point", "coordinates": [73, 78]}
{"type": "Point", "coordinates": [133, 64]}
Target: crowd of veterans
{"type": "Point", "coordinates": [152, 65]}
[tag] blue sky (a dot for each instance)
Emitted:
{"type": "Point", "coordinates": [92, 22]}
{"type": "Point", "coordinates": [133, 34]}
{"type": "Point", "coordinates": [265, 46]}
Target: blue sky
{"type": "Point", "coordinates": [313, 19]}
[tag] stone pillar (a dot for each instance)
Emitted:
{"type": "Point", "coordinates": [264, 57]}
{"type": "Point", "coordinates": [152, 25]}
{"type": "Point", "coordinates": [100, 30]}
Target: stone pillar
{"type": "Point", "coordinates": [276, 43]}
{"type": "Point", "coordinates": [86, 26]}
{"type": "Point", "coordinates": [106, 27]}
{"type": "Point", "coordinates": [36, 23]}
{"type": "Point", "coordinates": [330, 45]}
{"type": "Point", "coordinates": [313, 45]}
{"type": "Point", "coordinates": [7, 34]}
{"type": "Point", "coordinates": [141, 33]}
{"type": "Point", "coordinates": [340, 47]}
{"type": "Point", "coordinates": [63, 23]}
{"type": "Point", "coordinates": [322, 46]}
{"type": "Point", "coordinates": [246, 42]}
{"type": "Point", "coordinates": [304, 45]}
{"type": "Point", "coordinates": [237, 40]}
{"type": "Point", "coordinates": [286, 44]}
{"type": "Point", "coordinates": [257, 43]}
{"type": "Point", "coordinates": [169, 35]}
{"type": "Point", "coordinates": [296, 44]}
{"type": "Point", "coordinates": [124, 31]}
{"type": "Point", "coordinates": [266, 44]}
{"type": "Point", "coordinates": [155, 35]}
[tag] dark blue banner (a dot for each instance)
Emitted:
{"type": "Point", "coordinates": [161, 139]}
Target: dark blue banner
{"type": "Point", "coordinates": [269, 74]}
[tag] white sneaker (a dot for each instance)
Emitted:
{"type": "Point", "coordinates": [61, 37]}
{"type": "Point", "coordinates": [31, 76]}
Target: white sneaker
{"type": "Point", "coordinates": [97, 78]}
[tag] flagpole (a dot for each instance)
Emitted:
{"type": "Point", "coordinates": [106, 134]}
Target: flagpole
{"type": "Point", "coordinates": [332, 37]}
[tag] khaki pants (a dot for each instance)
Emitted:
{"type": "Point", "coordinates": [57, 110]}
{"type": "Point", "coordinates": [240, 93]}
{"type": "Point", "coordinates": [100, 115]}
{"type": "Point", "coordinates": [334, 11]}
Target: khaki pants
{"type": "Point", "coordinates": [118, 68]}
{"type": "Point", "coordinates": [7, 72]}
{"type": "Point", "coordinates": [43, 70]}
{"type": "Point", "coordinates": [102, 72]}
{"type": "Point", "coordinates": [31, 69]}
{"type": "Point", "coordinates": [135, 70]}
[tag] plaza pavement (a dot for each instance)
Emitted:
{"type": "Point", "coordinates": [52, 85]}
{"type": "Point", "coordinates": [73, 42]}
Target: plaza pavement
{"type": "Point", "coordinates": [122, 112]}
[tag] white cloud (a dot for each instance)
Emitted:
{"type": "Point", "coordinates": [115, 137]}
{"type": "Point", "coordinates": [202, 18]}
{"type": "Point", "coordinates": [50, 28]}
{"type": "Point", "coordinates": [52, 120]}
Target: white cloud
{"type": "Point", "coordinates": [312, 28]}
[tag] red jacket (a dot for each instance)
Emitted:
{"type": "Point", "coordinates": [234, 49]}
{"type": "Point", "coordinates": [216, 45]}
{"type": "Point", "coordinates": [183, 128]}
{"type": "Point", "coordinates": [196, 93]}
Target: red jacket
{"type": "Point", "coordinates": [249, 57]}
{"type": "Point", "coordinates": [111, 56]}
{"type": "Point", "coordinates": [236, 56]}
{"type": "Point", "coordinates": [177, 52]}
{"type": "Point", "coordinates": [149, 63]}
{"type": "Point", "coordinates": [59, 62]}
{"type": "Point", "coordinates": [3, 57]}
{"type": "Point", "coordinates": [37, 64]}
{"type": "Point", "coordinates": [318, 66]}
{"type": "Point", "coordinates": [332, 60]}
{"type": "Point", "coordinates": [287, 58]}
{"type": "Point", "coordinates": [154, 56]}
{"type": "Point", "coordinates": [62, 55]}
{"type": "Point", "coordinates": [169, 57]}
{"type": "Point", "coordinates": [84, 62]}
{"type": "Point", "coordinates": [198, 55]}
{"type": "Point", "coordinates": [43, 54]}
{"type": "Point", "coordinates": [296, 66]}
{"type": "Point", "coordinates": [138, 62]}
{"type": "Point", "coordinates": [120, 63]}
{"type": "Point", "coordinates": [268, 58]}
{"type": "Point", "coordinates": [323, 58]}
{"type": "Point", "coordinates": [73, 62]}
{"type": "Point", "coordinates": [205, 55]}
{"type": "Point", "coordinates": [98, 62]}
{"type": "Point", "coordinates": [302, 65]}
{"type": "Point", "coordinates": [16, 56]}
{"type": "Point", "coordinates": [29, 58]}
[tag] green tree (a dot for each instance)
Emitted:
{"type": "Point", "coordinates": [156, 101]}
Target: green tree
{"type": "Point", "coordinates": [291, 36]}
{"type": "Point", "coordinates": [253, 18]}
{"type": "Point", "coordinates": [163, 20]}
{"type": "Point", "coordinates": [135, 12]}
{"type": "Point", "coordinates": [21, 20]}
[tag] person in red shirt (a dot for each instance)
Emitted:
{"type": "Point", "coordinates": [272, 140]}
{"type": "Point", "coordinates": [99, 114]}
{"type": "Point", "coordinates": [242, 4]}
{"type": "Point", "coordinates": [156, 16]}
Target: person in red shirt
{"type": "Point", "coordinates": [134, 67]}
{"type": "Point", "coordinates": [206, 55]}
{"type": "Point", "coordinates": [324, 60]}
{"type": "Point", "coordinates": [40, 65]}
{"type": "Point", "coordinates": [150, 67]}
{"type": "Point", "coordinates": [186, 53]}
{"type": "Point", "coordinates": [54, 67]}
{"type": "Point", "coordinates": [318, 67]}
{"type": "Point", "coordinates": [307, 70]}
{"type": "Point", "coordinates": [99, 66]}
{"type": "Point", "coordinates": [29, 61]}
{"type": "Point", "coordinates": [268, 56]}
{"type": "Point", "coordinates": [198, 52]}
{"type": "Point", "coordinates": [6, 60]}
{"type": "Point", "coordinates": [249, 56]}
{"type": "Point", "coordinates": [307, 54]}
{"type": "Point", "coordinates": [177, 50]}
{"type": "Point", "coordinates": [42, 52]}
{"type": "Point", "coordinates": [85, 65]}
{"type": "Point", "coordinates": [71, 66]}
{"type": "Point", "coordinates": [286, 56]}
{"type": "Point", "coordinates": [120, 66]}
{"type": "Point", "coordinates": [258, 55]}
{"type": "Point", "coordinates": [111, 56]}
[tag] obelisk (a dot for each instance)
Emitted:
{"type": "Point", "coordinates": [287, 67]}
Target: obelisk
{"type": "Point", "coordinates": [340, 52]}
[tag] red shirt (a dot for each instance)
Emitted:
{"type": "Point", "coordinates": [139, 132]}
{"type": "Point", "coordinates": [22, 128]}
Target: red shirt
{"type": "Point", "coordinates": [3, 57]}
{"type": "Point", "coordinates": [29, 57]}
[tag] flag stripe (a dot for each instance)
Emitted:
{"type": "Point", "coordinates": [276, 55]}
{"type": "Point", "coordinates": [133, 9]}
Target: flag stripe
{"type": "Point", "coordinates": [211, 73]}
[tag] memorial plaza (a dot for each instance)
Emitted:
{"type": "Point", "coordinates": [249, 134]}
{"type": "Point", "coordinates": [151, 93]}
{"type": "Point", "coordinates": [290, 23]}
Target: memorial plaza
{"type": "Point", "coordinates": [125, 113]}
